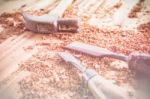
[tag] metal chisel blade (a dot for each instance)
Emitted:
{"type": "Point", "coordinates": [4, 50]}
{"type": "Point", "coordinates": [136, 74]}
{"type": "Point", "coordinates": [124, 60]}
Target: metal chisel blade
{"type": "Point", "coordinates": [69, 58]}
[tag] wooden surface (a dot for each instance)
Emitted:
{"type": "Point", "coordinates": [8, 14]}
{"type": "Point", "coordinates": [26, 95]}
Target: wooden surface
{"type": "Point", "coordinates": [16, 49]}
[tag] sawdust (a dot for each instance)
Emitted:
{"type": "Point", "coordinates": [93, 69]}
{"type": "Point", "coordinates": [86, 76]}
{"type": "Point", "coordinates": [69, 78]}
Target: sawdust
{"type": "Point", "coordinates": [144, 27]}
{"type": "Point", "coordinates": [60, 77]}
{"type": "Point", "coordinates": [52, 78]}
{"type": "Point", "coordinates": [12, 24]}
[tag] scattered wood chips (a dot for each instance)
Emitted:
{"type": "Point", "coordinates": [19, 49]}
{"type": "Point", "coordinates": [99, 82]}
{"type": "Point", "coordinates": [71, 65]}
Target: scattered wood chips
{"type": "Point", "coordinates": [52, 78]}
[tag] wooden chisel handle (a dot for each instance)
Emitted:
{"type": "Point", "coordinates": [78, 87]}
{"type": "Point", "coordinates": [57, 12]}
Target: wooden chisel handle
{"type": "Point", "coordinates": [140, 63]}
{"type": "Point", "coordinates": [97, 93]}
{"type": "Point", "coordinates": [103, 89]}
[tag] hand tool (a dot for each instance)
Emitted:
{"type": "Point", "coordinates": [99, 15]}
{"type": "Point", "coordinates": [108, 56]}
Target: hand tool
{"type": "Point", "coordinates": [95, 51]}
{"type": "Point", "coordinates": [99, 86]}
{"type": "Point", "coordinates": [67, 25]}
{"type": "Point", "coordinates": [137, 62]}
{"type": "Point", "coordinates": [48, 23]}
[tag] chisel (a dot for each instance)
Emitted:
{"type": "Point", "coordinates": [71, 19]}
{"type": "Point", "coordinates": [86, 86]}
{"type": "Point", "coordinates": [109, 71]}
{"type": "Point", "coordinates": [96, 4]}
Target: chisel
{"type": "Point", "coordinates": [137, 62]}
{"type": "Point", "coordinates": [99, 86]}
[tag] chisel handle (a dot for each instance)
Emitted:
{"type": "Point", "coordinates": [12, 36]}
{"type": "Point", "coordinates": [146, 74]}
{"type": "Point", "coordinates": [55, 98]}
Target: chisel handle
{"type": "Point", "coordinates": [140, 63]}
{"type": "Point", "coordinates": [103, 89]}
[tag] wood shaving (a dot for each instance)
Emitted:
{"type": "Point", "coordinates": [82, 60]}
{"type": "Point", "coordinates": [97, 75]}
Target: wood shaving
{"type": "Point", "coordinates": [52, 78]}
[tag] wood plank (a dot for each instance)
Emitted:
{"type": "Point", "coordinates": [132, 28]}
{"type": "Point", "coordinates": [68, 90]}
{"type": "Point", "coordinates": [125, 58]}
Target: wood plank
{"type": "Point", "coordinates": [82, 4]}
{"type": "Point", "coordinates": [13, 5]}
{"type": "Point", "coordinates": [89, 4]}
{"type": "Point", "coordinates": [121, 15]}
{"type": "Point", "coordinates": [62, 6]}
{"type": "Point", "coordinates": [11, 88]}
{"type": "Point", "coordinates": [10, 42]}
{"type": "Point", "coordinates": [15, 53]}
{"type": "Point", "coordinates": [6, 42]}
{"type": "Point", "coordinates": [14, 45]}
{"type": "Point", "coordinates": [41, 4]}
{"type": "Point", "coordinates": [96, 6]}
{"type": "Point", "coordinates": [77, 2]}
{"type": "Point", "coordinates": [11, 63]}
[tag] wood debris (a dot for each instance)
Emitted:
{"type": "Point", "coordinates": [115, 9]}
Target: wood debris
{"type": "Point", "coordinates": [52, 78]}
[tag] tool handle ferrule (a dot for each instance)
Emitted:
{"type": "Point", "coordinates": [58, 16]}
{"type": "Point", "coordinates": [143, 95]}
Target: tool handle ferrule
{"type": "Point", "coordinates": [88, 74]}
